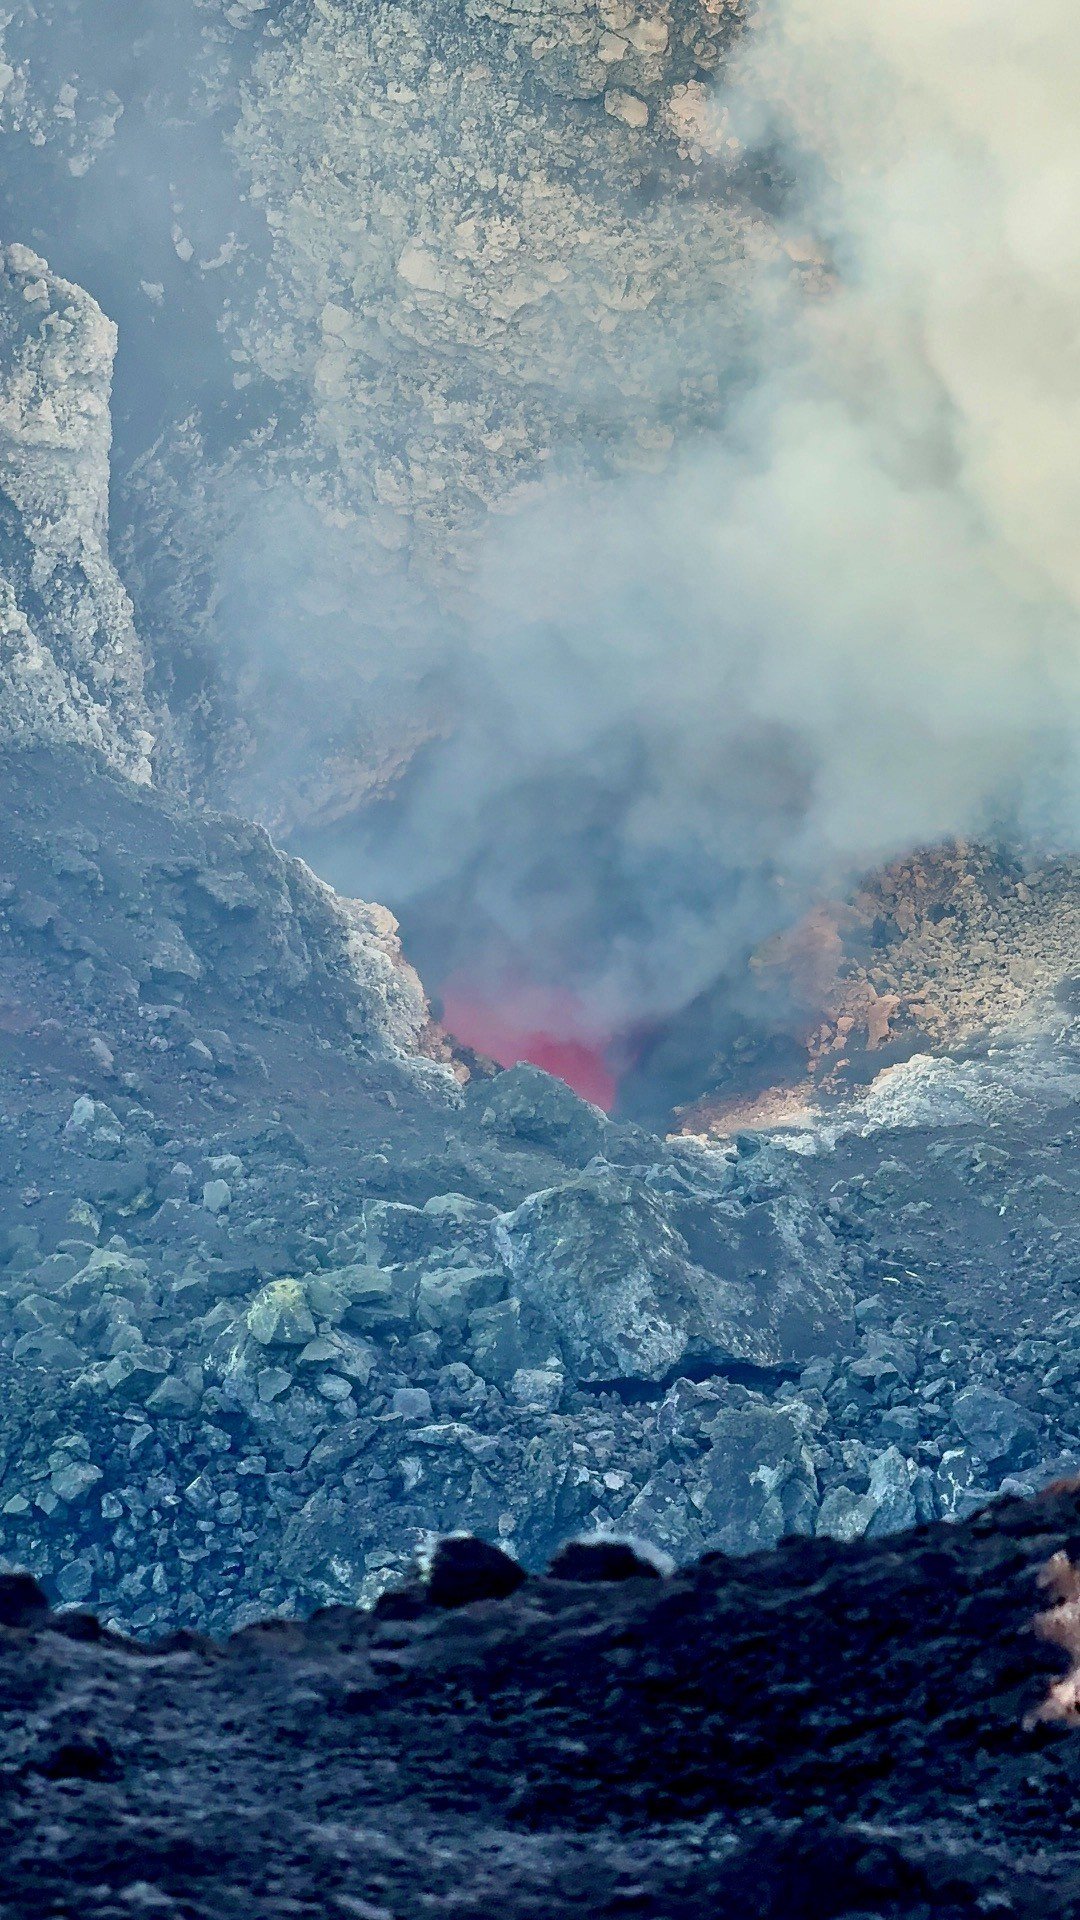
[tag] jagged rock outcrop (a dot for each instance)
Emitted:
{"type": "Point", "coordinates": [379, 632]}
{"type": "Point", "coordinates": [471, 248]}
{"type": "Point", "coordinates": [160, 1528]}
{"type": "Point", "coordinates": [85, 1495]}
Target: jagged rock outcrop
{"type": "Point", "coordinates": [626, 1283]}
{"type": "Point", "coordinates": [132, 912]}
{"type": "Point", "coordinates": [72, 671]}
{"type": "Point", "coordinates": [71, 666]}
{"type": "Point", "coordinates": [920, 958]}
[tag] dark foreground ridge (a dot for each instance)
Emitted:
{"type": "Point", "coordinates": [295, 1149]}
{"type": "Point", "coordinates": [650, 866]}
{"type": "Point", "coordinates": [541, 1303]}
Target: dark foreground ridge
{"type": "Point", "coordinates": [823, 1730]}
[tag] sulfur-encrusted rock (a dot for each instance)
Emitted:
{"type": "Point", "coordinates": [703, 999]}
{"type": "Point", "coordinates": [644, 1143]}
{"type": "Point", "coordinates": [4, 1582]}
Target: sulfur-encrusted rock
{"type": "Point", "coordinates": [279, 1315]}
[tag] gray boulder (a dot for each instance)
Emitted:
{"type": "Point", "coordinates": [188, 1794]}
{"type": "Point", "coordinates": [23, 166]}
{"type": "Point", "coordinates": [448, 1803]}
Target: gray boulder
{"type": "Point", "coordinates": [844, 1514]}
{"type": "Point", "coordinates": [995, 1428]}
{"type": "Point", "coordinates": [411, 1403]}
{"type": "Point", "coordinates": [663, 1515]}
{"type": "Point", "coordinates": [888, 1505]}
{"type": "Point", "coordinates": [279, 1315]}
{"type": "Point", "coordinates": [72, 1480]}
{"type": "Point", "coordinates": [891, 1493]}
{"type": "Point", "coordinates": [75, 1580]}
{"type": "Point", "coordinates": [498, 1344]}
{"type": "Point", "coordinates": [755, 1484]}
{"type": "Point", "coordinates": [528, 1104]}
{"type": "Point", "coordinates": [629, 1283]}
{"type": "Point", "coordinates": [448, 1295]}
{"type": "Point", "coordinates": [757, 1481]}
{"type": "Point", "coordinates": [540, 1387]}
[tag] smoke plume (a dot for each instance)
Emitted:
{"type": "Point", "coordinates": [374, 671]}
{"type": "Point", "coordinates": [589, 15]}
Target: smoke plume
{"type": "Point", "coordinates": [848, 626]}
{"type": "Point", "coordinates": [675, 705]}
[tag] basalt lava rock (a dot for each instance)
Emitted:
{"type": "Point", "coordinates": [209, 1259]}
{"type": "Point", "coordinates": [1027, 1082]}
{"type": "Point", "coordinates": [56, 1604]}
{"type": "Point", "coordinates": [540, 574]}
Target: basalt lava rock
{"type": "Point", "coordinates": [22, 1601]}
{"type": "Point", "coordinates": [627, 1282]}
{"type": "Point", "coordinates": [603, 1559]}
{"type": "Point", "coordinates": [465, 1569]}
{"type": "Point", "coordinates": [818, 1732]}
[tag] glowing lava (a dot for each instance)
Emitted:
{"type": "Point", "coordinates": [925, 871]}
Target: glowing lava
{"type": "Point", "coordinates": [526, 1024]}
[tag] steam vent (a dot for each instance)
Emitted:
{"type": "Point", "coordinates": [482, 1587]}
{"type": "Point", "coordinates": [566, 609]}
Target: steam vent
{"type": "Point", "coordinates": [539, 960]}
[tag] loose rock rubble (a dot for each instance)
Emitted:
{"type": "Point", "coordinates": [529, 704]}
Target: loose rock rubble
{"type": "Point", "coordinates": [283, 1344]}
{"type": "Point", "coordinates": [939, 950]}
{"type": "Point", "coordinates": [282, 1301]}
{"type": "Point", "coordinates": [282, 1297]}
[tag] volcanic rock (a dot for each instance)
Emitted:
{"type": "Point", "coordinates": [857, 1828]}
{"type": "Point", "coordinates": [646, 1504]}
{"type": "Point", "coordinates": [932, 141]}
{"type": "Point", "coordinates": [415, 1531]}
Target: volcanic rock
{"type": "Point", "coordinates": [530, 1105]}
{"type": "Point", "coordinates": [22, 1601]}
{"type": "Point", "coordinates": [602, 1272]}
{"type": "Point", "coordinates": [464, 1570]}
{"type": "Point", "coordinates": [279, 1306]}
{"type": "Point", "coordinates": [757, 1482]}
{"type": "Point", "coordinates": [73, 666]}
{"type": "Point", "coordinates": [279, 1316]}
{"type": "Point", "coordinates": [817, 1731]}
{"type": "Point", "coordinates": [994, 1426]}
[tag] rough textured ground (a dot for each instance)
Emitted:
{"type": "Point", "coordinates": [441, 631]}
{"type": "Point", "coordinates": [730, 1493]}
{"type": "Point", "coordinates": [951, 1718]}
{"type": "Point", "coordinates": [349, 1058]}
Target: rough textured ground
{"type": "Point", "coordinates": [279, 1298]}
{"type": "Point", "coordinates": [816, 1732]}
{"type": "Point", "coordinates": [281, 1301]}
{"type": "Point", "coordinates": [942, 950]}
{"type": "Point", "coordinates": [233, 1200]}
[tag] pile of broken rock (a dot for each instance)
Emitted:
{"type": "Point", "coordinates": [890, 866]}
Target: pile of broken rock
{"type": "Point", "coordinates": [251, 1364]}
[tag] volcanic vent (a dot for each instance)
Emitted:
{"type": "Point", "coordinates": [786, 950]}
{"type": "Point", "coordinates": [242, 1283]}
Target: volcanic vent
{"type": "Point", "coordinates": [940, 950]}
{"type": "Point", "coordinates": [518, 1022]}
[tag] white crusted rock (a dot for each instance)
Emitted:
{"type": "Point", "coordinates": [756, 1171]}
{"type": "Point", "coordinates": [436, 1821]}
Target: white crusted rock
{"type": "Point", "coordinates": [71, 666]}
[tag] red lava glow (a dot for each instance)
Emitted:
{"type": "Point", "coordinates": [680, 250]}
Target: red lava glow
{"type": "Point", "coordinates": [544, 1028]}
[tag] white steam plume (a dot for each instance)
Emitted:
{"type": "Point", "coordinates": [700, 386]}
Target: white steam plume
{"type": "Point", "coordinates": [848, 626]}
{"type": "Point", "coordinates": [853, 625]}
{"type": "Point", "coordinates": [952, 137]}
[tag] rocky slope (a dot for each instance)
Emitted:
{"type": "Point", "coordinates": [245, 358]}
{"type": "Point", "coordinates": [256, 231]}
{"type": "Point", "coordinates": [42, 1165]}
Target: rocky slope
{"type": "Point", "coordinates": [818, 1732]}
{"type": "Point", "coordinates": [281, 1301]}
{"type": "Point", "coordinates": [254, 1235]}
{"type": "Point", "coordinates": [236, 1201]}
{"type": "Point", "coordinates": [948, 947]}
